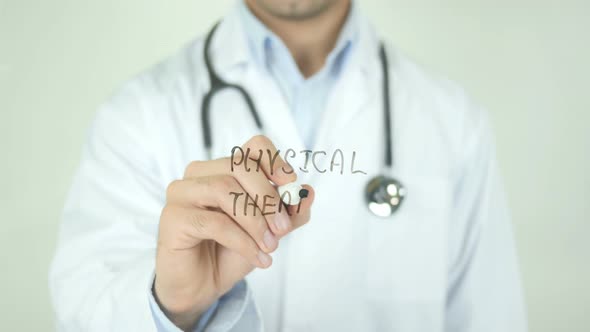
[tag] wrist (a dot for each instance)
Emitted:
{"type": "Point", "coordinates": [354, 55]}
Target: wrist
{"type": "Point", "coordinates": [182, 310]}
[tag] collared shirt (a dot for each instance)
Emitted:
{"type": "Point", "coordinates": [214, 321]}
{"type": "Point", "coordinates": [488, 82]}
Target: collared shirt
{"type": "Point", "coordinates": [306, 97]}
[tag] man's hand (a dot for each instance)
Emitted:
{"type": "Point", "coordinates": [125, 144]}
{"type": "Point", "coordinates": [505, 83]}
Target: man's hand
{"type": "Point", "coordinates": [203, 248]}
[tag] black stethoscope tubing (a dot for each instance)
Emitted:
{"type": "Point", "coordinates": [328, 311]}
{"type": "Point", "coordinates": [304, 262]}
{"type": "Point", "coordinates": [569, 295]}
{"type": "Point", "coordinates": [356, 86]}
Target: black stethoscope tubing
{"type": "Point", "coordinates": [218, 84]}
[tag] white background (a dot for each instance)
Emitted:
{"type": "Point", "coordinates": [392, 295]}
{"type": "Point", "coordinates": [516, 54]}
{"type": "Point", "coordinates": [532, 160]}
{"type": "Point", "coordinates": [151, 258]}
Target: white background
{"type": "Point", "coordinates": [527, 63]}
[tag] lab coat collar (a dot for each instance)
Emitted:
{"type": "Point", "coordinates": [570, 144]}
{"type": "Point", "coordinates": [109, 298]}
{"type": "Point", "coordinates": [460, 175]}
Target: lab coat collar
{"type": "Point", "coordinates": [230, 44]}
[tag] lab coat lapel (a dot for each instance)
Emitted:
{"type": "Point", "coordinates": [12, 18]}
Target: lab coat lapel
{"type": "Point", "coordinates": [233, 62]}
{"type": "Point", "coordinates": [354, 96]}
{"type": "Point", "coordinates": [277, 118]}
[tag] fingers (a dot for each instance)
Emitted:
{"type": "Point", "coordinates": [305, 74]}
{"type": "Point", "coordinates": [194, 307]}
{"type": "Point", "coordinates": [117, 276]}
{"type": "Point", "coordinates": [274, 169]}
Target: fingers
{"type": "Point", "coordinates": [256, 183]}
{"type": "Point", "coordinates": [253, 165]}
{"type": "Point", "coordinates": [257, 155]}
{"type": "Point", "coordinates": [261, 151]}
{"type": "Point", "coordinates": [212, 225]}
{"type": "Point", "coordinates": [224, 193]}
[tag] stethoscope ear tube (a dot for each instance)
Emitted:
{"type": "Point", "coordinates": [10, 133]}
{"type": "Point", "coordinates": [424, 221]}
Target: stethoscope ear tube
{"type": "Point", "coordinates": [217, 84]}
{"type": "Point", "coordinates": [388, 153]}
{"type": "Point", "coordinates": [214, 83]}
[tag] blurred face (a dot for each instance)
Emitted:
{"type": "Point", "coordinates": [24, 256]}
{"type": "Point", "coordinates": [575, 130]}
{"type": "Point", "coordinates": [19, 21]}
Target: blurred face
{"type": "Point", "coordinates": [295, 9]}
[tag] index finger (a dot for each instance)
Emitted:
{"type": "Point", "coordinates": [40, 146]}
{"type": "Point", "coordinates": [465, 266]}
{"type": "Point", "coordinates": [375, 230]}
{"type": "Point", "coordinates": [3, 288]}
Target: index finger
{"type": "Point", "coordinates": [260, 153]}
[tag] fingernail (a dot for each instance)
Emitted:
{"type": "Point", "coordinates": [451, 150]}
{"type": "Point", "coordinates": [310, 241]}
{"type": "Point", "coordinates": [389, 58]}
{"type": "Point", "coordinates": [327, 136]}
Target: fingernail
{"type": "Point", "coordinates": [282, 221]}
{"type": "Point", "coordinates": [289, 193]}
{"type": "Point", "coordinates": [270, 241]}
{"type": "Point", "coordinates": [264, 259]}
{"type": "Point", "coordinates": [303, 193]}
{"type": "Point", "coordinates": [287, 170]}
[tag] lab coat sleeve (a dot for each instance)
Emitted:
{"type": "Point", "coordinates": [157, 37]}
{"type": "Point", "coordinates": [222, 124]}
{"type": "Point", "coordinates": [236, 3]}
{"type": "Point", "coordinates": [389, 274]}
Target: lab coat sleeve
{"type": "Point", "coordinates": [234, 311]}
{"type": "Point", "coordinates": [102, 272]}
{"type": "Point", "coordinates": [165, 324]}
{"type": "Point", "coordinates": [484, 291]}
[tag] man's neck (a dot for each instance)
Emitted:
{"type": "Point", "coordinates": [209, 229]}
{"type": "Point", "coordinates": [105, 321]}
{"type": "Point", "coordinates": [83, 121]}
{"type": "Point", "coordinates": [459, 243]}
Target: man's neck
{"type": "Point", "coordinates": [309, 40]}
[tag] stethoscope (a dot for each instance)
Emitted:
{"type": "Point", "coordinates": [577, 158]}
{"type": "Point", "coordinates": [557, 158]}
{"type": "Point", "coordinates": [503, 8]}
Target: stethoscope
{"type": "Point", "coordinates": [384, 195]}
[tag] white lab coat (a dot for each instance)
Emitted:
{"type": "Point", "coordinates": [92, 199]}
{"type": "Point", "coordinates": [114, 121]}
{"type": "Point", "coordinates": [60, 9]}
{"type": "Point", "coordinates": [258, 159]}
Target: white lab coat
{"type": "Point", "coordinates": [444, 262]}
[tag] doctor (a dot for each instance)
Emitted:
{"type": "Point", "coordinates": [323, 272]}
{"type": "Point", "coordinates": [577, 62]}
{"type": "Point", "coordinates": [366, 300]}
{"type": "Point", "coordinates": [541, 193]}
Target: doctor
{"type": "Point", "coordinates": [149, 241]}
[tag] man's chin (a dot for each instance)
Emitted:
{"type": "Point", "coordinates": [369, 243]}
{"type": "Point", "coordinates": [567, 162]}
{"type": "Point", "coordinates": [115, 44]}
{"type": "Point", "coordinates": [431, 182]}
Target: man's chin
{"type": "Point", "coordinates": [295, 10]}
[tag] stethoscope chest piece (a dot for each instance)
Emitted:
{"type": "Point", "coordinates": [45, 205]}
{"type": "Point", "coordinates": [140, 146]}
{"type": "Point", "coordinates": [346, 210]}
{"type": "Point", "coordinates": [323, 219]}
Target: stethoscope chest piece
{"type": "Point", "coordinates": [384, 195]}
